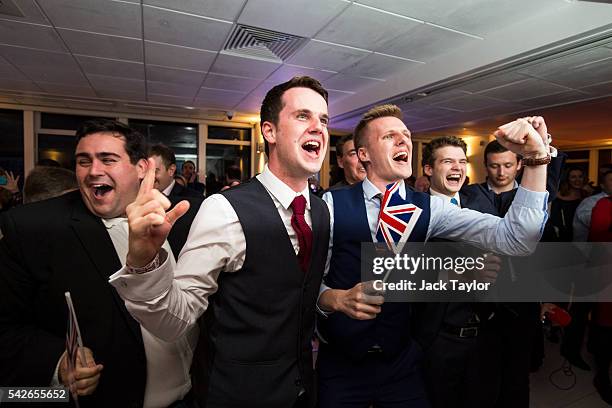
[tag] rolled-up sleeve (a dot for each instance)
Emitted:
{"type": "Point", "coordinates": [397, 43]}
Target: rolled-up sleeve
{"type": "Point", "coordinates": [169, 300]}
{"type": "Point", "coordinates": [516, 234]}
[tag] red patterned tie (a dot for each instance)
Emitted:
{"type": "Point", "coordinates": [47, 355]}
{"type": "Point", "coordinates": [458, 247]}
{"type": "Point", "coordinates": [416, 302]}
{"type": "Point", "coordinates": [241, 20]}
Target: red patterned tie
{"type": "Point", "coordinates": [302, 230]}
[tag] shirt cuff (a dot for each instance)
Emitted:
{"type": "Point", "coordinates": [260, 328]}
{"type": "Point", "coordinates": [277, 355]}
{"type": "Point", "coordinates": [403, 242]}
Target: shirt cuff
{"type": "Point", "coordinates": [531, 199]}
{"type": "Point", "coordinates": [322, 312]}
{"type": "Point", "coordinates": [143, 287]}
{"type": "Point", "coordinates": [553, 152]}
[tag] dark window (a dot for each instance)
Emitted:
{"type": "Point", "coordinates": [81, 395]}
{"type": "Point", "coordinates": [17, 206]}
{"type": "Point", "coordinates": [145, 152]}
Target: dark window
{"type": "Point", "coordinates": [180, 137]}
{"type": "Point", "coordinates": [227, 133]}
{"type": "Point", "coordinates": [578, 155]}
{"type": "Point", "coordinates": [57, 148]}
{"type": "Point", "coordinates": [219, 158]}
{"type": "Point", "coordinates": [64, 122]}
{"type": "Point", "coordinates": [11, 142]}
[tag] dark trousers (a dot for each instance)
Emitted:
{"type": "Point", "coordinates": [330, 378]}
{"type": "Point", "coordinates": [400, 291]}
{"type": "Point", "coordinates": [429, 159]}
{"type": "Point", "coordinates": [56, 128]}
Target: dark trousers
{"type": "Point", "coordinates": [377, 380]}
{"type": "Point", "coordinates": [517, 326]}
{"type": "Point", "coordinates": [573, 335]}
{"type": "Point", "coordinates": [463, 372]}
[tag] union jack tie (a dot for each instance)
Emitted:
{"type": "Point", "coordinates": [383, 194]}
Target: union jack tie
{"type": "Point", "coordinates": [396, 218]}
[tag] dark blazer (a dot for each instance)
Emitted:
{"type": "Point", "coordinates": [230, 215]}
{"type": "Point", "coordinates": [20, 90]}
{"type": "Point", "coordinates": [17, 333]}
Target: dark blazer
{"type": "Point", "coordinates": [179, 191]}
{"type": "Point", "coordinates": [55, 246]}
{"type": "Point", "coordinates": [429, 316]}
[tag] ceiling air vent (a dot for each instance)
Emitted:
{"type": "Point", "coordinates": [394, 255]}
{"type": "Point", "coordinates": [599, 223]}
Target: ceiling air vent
{"type": "Point", "coordinates": [261, 44]}
{"type": "Point", "coordinates": [9, 8]}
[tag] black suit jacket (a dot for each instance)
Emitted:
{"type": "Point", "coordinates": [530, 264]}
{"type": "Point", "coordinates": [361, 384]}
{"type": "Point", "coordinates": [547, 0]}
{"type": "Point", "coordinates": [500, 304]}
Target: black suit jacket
{"type": "Point", "coordinates": [55, 246]}
{"type": "Point", "coordinates": [179, 191]}
{"type": "Point", "coordinates": [429, 316]}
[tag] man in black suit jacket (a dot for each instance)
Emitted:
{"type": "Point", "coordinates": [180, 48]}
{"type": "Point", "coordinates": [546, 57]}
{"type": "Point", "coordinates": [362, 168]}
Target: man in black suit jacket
{"type": "Point", "coordinates": [165, 168]}
{"type": "Point", "coordinates": [65, 244]}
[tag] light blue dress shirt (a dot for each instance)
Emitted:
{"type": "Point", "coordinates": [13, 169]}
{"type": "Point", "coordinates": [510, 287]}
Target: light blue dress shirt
{"type": "Point", "coordinates": [517, 234]}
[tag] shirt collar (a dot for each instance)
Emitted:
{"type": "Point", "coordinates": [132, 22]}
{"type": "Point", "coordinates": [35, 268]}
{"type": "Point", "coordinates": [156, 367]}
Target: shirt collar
{"type": "Point", "coordinates": [516, 185]}
{"type": "Point", "coordinates": [168, 189]}
{"type": "Point", "coordinates": [371, 191]}
{"type": "Point", "coordinates": [112, 222]}
{"type": "Point", "coordinates": [445, 197]}
{"type": "Point", "coordinates": [279, 190]}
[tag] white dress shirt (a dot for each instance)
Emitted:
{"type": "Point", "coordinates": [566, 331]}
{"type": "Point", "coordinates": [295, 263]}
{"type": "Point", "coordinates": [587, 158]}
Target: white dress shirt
{"type": "Point", "coordinates": [445, 197]}
{"type": "Point", "coordinates": [582, 219]}
{"type": "Point", "coordinates": [516, 234]}
{"type": "Point", "coordinates": [169, 300]}
{"type": "Point", "coordinates": [168, 189]}
{"type": "Point", "coordinates": [168, 364]}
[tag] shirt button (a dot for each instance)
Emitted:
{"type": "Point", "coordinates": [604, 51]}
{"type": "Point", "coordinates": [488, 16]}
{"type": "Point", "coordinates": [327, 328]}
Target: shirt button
{"type": "Point", "coordinates": [298, 382]}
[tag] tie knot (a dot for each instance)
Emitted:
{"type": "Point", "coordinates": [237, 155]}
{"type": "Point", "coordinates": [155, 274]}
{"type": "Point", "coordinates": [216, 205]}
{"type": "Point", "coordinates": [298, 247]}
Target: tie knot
{"type": "Point", "coordinates": [299, 205]}
{"type": "Point", "coordinates": [454, 201]}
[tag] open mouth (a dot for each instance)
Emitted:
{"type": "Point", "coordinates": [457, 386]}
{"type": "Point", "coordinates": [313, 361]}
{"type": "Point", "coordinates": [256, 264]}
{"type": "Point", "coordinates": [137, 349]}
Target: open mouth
{"type": "Point", "coordinates": [100, 190]}
{"type": "Point", "coordinates": [313, 147]}
{"type": "Point", "coordinates": [454, 178]}
{"type": "Point", "coordinates": [400, 157]}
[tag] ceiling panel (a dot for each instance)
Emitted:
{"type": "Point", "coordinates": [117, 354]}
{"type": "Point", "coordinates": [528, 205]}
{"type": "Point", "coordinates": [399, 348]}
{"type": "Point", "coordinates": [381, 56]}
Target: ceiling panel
{"type": "Point", "coordinates": [493, 81]}
{"type": "Point", "coordinates": [106, 83]}
{"type": "Point", "coordinates": [343, 82]}
{"type": "Point", "coordinates": [8, 71]}
{"type": "Point", "coordinates": [553, 67]}
{"type": "Point", "coordinates": [379, 66]}
{"type": "Point", "coordinates": [121, 95]}
{"type": "Point", "coordinates": [326, 56]}
{"type": "Point", "coordinates": [218, 98]}
{"type": "Point", "coordinates": [286, 72]}
{"type": "Point", "coordinates": [168, 99]}
{"type": "Point", "coordinates": [429, 112]}
{"type": "Point", "coordinates": [66, 89]}
{"type": "Point", "coordinates": [251, 103]}
{"type": "Point", "coordinates": [557, 99]}
{"type": "Point", "coordinates": [31, 12]}
{"type": "Point", "coordinates": [223, 9]}
{"type": "Point", "coordinates": [375, 28]}
{"type": "Point", "coordinates": [469, 103]}
{"type": "Point", "coordinates": [18, 85]}
{"type": "Point", "coordinates": [30, 35]}
{"type": "Point", "coordinates": [106, 17]}
{"type": "Point", "coordinates": [335, 96]}
{"type": "Point", "coordinates": [601, 89]}
{"type": "Point", "coordinates": [175, 76]}
{"type": "Point", "coordinates": [230, 82]}
{"type": "Point", "coordinates": [25, 57]}
{"type": "Point", "coordinates": [183, 29]}
{"type": "Point", "coordinates": [473, 16]}
{"type": "Point", "coordinates": [100, 45]}
{"type": "Point", "coordinates": [165, 88]}
{"type": "Point", "coordinates": [525, 89]}
{"type": "Point", "coordinates": [583, 76]}
{"type": "Point", "coordinates": [112, 68]}
{"type": "Point", "coordinates": [425, 43]}
{"type": "Point", "coordinates": [179, 57]}
{"type": "Point", "coordinates": [244, 67]}
{"type": "Point", "coordinates": [55, 74]}
{"type": "Point", "coordinates": [297, 17]}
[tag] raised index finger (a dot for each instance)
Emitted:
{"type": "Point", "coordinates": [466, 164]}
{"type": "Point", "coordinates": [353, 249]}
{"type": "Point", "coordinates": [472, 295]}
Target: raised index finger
{"type": "Point", "coordinates": [149, 179]}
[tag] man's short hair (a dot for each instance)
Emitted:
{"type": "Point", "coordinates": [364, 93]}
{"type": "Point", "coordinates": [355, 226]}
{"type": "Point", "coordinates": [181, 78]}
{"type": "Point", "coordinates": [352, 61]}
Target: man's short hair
{"type": "Point", "coordinates": [45, 182]}
{"type": "Point", "coordinates": [135, 144]}
{"type": "Point", "coordinates": [429, 149]}
{"type": "Point", "coordinates": [495, 147]}
{"type": "Point", "coordinates": [381, 111]}
{"type": "Point", "coordinates": [273, 102]}
{"type": "Point", "coordinates": [341, 143]}
{"type": "Point", "coordinates": [166, 154]}
{"type": "Point", "coordinates": [233, 173]}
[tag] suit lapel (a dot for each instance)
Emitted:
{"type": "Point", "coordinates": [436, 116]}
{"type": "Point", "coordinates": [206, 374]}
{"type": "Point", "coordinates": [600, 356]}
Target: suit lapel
{"type": "Point", "coordinates": [98, 246]}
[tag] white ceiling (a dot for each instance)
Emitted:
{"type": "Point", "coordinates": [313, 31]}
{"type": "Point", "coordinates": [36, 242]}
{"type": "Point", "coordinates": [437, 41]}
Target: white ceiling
{"type": "Point", "coordinates": [154, 55]}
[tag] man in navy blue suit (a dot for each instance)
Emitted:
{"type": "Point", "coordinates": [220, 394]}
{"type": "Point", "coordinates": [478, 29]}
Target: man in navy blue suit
{"type": "Point", "coordinates": [367, 356]}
